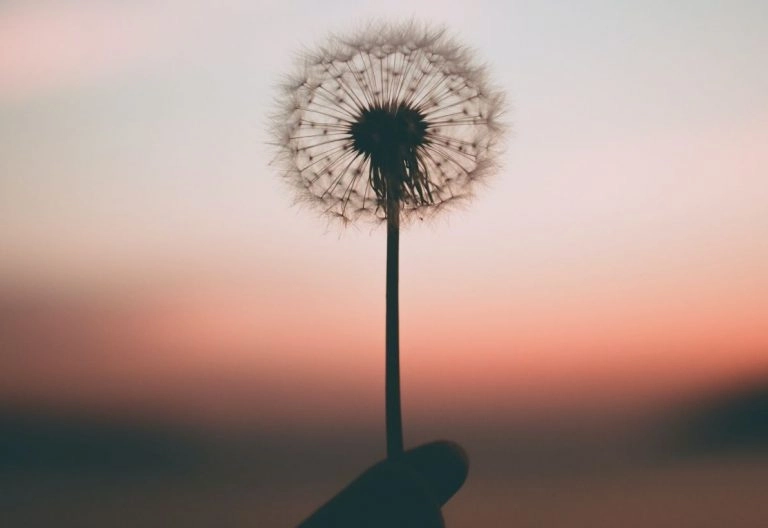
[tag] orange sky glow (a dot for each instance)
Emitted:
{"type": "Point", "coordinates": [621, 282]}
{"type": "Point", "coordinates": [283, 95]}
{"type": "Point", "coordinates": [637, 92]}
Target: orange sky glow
{"type": "Point", "coordinates": [151, 257]}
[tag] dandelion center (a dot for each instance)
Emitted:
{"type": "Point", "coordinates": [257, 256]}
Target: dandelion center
{"type": "Point", "coordinates": [388, 135]}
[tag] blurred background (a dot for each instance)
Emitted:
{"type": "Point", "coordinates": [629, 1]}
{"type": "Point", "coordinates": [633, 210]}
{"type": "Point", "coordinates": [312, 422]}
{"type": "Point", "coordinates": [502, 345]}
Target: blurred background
{"type": "Point", "coordinates": [180, 346]}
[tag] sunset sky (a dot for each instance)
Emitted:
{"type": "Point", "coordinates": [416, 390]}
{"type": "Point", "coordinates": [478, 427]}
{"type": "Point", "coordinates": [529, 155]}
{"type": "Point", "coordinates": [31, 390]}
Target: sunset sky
{"type": "Point", "coordinates": [151, 258]}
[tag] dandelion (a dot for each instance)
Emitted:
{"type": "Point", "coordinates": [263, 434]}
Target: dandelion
{"type": "Point", "coordinates": [394, 123]}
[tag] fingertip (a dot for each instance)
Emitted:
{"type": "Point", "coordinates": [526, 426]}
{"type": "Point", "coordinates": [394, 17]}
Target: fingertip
{"type": "Point", "coordinates": [443, 465]}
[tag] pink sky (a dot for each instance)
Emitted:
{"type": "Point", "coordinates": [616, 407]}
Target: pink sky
{"type": "Point", "coordinates": [620, 255]}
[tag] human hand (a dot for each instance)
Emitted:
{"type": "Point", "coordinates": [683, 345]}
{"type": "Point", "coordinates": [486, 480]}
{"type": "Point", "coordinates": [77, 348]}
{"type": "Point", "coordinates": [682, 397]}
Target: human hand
{"type": "Point", "coordinates": [405, 492]}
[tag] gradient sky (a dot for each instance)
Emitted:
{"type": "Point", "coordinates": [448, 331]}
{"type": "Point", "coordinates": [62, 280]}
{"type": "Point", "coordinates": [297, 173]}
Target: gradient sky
{"type": "Point", "coordinates": [620, 256]}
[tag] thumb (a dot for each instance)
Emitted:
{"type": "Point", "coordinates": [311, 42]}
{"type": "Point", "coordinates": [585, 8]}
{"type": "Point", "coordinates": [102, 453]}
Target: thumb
{"type": "Point", "coordinates": [406, 492]}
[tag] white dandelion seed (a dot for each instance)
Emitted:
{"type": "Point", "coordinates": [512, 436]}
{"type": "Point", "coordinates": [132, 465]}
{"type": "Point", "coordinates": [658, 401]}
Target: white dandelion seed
{"type": "Point", "coordinates": [397, 112]}
{"type": "Point", "coordinates": [395, 122]}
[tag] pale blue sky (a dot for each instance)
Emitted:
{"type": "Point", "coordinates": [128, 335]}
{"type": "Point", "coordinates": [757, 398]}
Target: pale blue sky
{"type": "Point", "coordinates": [134, 134]}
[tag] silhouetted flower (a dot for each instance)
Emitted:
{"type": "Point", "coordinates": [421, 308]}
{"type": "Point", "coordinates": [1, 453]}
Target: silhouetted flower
{"type": "Point", "coordinates": [394, 122]}
{"type": "Point", "coordinates": [396, 112]}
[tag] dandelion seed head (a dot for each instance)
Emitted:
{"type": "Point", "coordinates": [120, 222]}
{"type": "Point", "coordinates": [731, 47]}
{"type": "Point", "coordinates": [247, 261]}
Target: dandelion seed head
{"type": "Point", "coordinates": [394, 112]}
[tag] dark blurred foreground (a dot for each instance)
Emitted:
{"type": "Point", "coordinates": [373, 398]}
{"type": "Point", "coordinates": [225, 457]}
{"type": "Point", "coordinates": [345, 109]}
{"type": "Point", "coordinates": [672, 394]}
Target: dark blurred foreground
{"type": "Point", "coordinates": [705, 465]}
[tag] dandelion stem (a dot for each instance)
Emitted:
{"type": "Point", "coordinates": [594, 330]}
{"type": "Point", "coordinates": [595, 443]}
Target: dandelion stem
{"type": "Point", "coordinates": [392, 382]}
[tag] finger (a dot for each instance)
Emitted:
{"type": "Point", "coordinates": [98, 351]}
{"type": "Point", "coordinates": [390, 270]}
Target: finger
{"type": "Point", "coordinates": [443, 465]}
{"type": "Point", "coordinates": [405, 492]}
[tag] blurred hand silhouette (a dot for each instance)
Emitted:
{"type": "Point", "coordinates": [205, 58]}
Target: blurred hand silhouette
{"type": "Point", "coordinates": [405, 492]}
